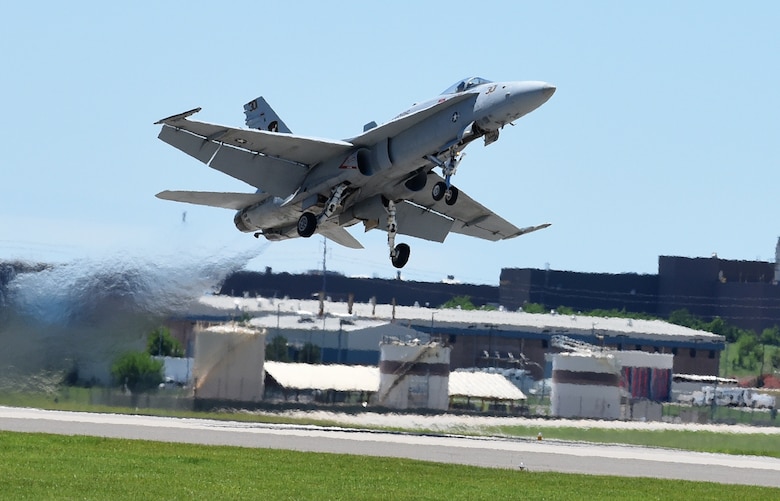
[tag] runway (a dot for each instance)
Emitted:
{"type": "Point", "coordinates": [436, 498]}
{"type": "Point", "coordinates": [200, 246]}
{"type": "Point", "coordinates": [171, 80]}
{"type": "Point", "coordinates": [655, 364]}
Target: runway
{"type": "Point", "coordinates": [533, 455]}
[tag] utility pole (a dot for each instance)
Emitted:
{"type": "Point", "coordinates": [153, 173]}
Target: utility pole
{"type": "Point", "coordinates": [324, 261]}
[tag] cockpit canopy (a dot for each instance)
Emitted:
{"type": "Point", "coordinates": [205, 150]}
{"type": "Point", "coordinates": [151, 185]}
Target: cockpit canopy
{"type": "Point", "coordinates": [465, 84]}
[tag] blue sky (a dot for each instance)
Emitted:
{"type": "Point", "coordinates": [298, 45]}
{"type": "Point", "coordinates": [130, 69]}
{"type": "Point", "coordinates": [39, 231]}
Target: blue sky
{"type": "Point", "coordinates": [662, 138]}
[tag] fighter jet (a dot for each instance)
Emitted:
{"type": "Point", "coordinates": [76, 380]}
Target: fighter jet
{"type": "Point", "coordinates": [384, 178]}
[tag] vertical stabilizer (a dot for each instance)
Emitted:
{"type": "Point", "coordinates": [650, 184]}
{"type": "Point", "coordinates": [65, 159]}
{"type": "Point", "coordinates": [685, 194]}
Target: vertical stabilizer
{"type": "Point", "coordinates": [259, 115]}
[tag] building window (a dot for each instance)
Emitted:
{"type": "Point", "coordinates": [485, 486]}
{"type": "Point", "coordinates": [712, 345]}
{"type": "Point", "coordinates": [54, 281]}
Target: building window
{"type": "Point", "coordinates": [638, 347]}
{"type": "Point", "coordinates": [674, 351]}
{"type": "Point", "coordinates": [545, 344]}
{"type": "Point", "coordinates": [693, 352]}
{"type": "Point", "coordinates": [712, 353]}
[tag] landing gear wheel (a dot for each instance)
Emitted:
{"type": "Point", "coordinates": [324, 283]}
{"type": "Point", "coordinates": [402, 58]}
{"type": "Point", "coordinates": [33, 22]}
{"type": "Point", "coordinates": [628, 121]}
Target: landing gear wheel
{"type": "Point", "coordinates": [438, 191]}
{"type": "Point", "coordinates": [451, 196]}
{"type": "Point", "coordinates": [307, 224]}
{"type": "Point", "coordinates": [400, 255]}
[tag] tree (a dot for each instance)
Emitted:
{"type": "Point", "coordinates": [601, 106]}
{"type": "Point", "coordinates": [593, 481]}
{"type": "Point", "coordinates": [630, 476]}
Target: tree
{"type": "Point", "coordinates": [309, 354]}
{"type": "Point", "coordinates": [138, 371]}
{"type": "Point", "coordinates": [565, 310]}
{"type": "Point", "coordinates": [534, 308]}
{"type": "Point", "coordinates": [771, 336]}
{"type": "Point", "coordinates": [277, 350]}
{"type": "Point", "coordinates": [683, 317]}
{"type": "Point", "coordinates": [749, 351]}
{"type": "Point", "coordinates": [162, 344]}
{"type": "Point", "coordinates": [775, 360]}
{"type": "Point", "coordinates": [460, 302]}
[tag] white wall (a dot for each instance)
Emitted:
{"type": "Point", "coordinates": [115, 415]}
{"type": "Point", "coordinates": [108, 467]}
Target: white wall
{"type": "Point", "coordinates": [229, 363]}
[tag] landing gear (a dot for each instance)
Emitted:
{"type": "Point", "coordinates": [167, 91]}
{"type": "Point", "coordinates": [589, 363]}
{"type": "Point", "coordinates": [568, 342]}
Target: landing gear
{"type": "Point", "coordinates": [451, 196]}
{"type": "Point", "coordinates": [440, 190]}
{"type": "Point", "coordinates": [399, 254]}
{"type": "Point", "coordinates": [307, 224]}
{"type": "Point", "coordinates": [333, 203]}
{"type": "Point", "coordinates": [444, 189]}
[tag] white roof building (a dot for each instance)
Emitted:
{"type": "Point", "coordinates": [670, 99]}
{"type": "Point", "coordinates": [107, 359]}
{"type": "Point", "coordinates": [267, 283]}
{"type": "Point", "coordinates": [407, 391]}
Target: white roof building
{"type": "Point", "coordinates": [359, 378]}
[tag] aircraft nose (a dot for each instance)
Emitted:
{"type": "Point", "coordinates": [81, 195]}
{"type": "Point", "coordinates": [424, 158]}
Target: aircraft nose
{"type": "Point", "coordinates": [531, 95]}
{"type": "Point", "coordinates": [548, 90]}
{"type": "Point", "coordinates": [519, 99]}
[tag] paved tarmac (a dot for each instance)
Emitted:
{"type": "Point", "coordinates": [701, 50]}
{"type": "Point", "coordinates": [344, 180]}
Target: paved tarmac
{"type": "Point", "coordinates": [533, 455]}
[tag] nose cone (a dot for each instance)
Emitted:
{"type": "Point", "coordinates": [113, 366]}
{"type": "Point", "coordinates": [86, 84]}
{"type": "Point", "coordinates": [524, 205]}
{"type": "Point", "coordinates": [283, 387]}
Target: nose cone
{"type": "Point", "coordinates": [513, 100]}
{"type": "Point", "coordinates": [527, 96]}
{"type": "Point", "coordinates": [547, 90]}
{"type": "Point", "coordinates": [539, 92]}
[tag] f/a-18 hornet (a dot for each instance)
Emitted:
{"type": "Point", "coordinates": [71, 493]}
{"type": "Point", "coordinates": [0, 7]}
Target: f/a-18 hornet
{"type": "Point", "coordinates": [383, 178]}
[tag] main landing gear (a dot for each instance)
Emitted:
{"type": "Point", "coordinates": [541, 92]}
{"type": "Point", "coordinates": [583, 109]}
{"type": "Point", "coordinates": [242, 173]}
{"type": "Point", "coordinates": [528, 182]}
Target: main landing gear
{"type": "Point", "coordinates": [444, 189]}
{"type": "Point", "coordinates": [399, 254]}
{"type": "Point", "coordinates": [308, 222]}
{"type": "Point", "coordinates": [440, 190]}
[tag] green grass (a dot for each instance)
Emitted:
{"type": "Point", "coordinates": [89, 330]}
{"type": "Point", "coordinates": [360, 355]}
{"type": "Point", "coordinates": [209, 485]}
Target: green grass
{"type": "Point", "coordinates": [752, 444]}
{"type": "Point", "coordinates": [39, 466]}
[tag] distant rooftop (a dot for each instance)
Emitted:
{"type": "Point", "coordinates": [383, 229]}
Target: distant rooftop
{"type": "Point", "coordinates": [288, 313]}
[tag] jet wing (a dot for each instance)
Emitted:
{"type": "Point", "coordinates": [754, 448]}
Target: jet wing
{"type": "Point", "coordinates": [412, 219]}
{"type": "Point", "coordinates": [299, 149]}
{"type": "Point", "coordinates": [470, 217]}
{"type": "Point", "coordinates": [235, 201]}
{"type": "Point", "coordinates": [274, 162]}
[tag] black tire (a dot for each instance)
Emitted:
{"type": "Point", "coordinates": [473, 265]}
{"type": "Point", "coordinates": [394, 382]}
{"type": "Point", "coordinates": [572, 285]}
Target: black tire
{"type": "Point", "coordinates": [438, 190]}
{"type": "Point", "coordinates": [451, 196]}
{"type": "Point", "coordinates": [307, 224]}
{"type": "Point", "coordinates": [401, 257]}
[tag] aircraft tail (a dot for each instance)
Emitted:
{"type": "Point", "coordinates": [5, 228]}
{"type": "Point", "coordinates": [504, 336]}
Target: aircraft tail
{"type": "Point", "coordinates": [260, 115]}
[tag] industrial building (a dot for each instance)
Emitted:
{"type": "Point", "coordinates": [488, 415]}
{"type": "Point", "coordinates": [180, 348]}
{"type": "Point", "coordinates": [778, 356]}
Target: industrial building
{"type": "Point", "coordinates": [229, 365]}
{"type": "Point", "coordinates": [743, 293]}
{"type": "Point", "coordinates": [481, 339]}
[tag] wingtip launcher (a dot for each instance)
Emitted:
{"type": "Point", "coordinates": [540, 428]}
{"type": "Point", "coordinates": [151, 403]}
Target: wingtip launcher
{"type": "Point", "coordinates": [529, 229]}
{"type": "Point", "coordinates": [175, 118]}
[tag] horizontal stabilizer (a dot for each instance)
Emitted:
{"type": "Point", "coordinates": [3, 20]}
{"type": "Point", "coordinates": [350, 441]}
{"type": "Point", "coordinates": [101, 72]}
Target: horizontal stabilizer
{"type": "Point", "coordinates": [339, 235]}
{"type": "Point", "coordinates": [235, 201]}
